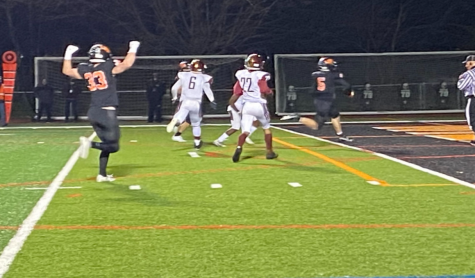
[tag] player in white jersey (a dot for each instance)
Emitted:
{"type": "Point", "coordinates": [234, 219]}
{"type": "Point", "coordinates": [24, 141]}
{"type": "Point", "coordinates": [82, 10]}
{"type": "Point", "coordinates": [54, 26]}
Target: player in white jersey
{"type": "Point", "coordinates": [235, 118]}
{"type": "Point", "coordinates": [192, 85]}
{"type": "Point", "coordinates": [252, 88]}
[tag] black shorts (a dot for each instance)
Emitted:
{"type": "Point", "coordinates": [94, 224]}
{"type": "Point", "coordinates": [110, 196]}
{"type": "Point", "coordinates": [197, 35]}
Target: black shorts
{"type": "Point", "coordinates": [326, 108]}
{"type": "Point", "coordinates": [105, 124]}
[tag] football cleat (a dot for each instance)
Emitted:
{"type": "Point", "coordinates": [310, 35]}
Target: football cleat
{"type": "Point", "coordinates": [107, 178]}
{"type": "Point", "coordinates": [218, 144]}
{"type": "Point", "coordinates": [178, 139]}
{"type": "Point", "coordinates": [171, 125]}
{"type": "Point", "coordinates": [237, 154]}
{"type": "Point", "coordinates": [249, 141]}
{"type": "Point", "coordinates": [345, 138]}
{"type": "Point", "coordinates": [85, 145]}
{"type": "Point", "coordinates": [198, 146]}
{"type": "Point", "coordinates": [271, 155]}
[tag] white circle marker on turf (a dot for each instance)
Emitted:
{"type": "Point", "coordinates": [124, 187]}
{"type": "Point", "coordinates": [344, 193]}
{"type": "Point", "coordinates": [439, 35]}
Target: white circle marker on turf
{"type": "Point", "coordinates": [295, 184]}
{"type": "Point", "coordinates": [134, 187]}
{"type": "Point", "coordinates": [216, 185]}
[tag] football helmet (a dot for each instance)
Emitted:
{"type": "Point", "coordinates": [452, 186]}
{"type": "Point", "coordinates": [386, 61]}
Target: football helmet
{"type": "Point", "coordinates": [326, 64]}
{"type": "Point", "coordinates": [184, 66]}
{"type": "Point", "coordinates": [99, 53]}
{"type": "Point", "coordinates": [197, 65]}
{"type": "Point", "coordinates": [254, 62]}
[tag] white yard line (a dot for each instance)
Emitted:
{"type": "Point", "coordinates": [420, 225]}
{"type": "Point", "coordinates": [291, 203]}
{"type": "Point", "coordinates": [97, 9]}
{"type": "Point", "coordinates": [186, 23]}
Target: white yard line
{"type": "Point", "coordinates": [16, 243]}
{"type": "Point", "coordinates": [411, 165]}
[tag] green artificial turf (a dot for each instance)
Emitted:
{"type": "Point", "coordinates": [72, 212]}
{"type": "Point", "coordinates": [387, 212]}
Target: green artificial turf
{"type": "Point", "coordinates": [256, 225]}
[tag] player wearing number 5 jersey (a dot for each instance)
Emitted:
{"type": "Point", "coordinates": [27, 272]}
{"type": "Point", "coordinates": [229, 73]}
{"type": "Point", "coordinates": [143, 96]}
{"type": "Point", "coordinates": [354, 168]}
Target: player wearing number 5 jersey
{"type": "Point", "coordinates": [192, 85]}
{"type": "Point", "coordinates": [251, 87]}
{"type": "Point", "coordinates": [100, 75]}
{"type": "Point", "coordinates": [325, 81]}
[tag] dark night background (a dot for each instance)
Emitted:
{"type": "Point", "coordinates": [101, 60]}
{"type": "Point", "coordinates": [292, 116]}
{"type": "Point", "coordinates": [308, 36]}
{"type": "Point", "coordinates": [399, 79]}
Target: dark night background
{"type": "Point", "coordinates": [184, 27]}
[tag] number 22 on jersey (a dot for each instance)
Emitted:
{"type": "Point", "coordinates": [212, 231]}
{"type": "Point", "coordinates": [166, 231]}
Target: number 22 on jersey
{"type": "Point", "coordinates": [97, 80]}
{"type": "Point", "coordinates": [246, 82]}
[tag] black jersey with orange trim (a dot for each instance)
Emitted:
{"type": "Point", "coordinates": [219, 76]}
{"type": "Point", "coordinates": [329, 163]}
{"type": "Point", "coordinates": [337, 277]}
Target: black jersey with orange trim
{"type": "Point", "coordinates": [101, 82]}
{"type": "Point", "coordinates": [325, 83]}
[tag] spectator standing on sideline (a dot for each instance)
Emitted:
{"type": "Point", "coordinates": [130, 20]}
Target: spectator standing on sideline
{"type": "Point", "coordinates": [466, 83]}
{"type": "Point", "coordinates": [44, 93]}
{"type": "Point", "coordinates": [2, 105]}
{"type": "Point", "coordinates": [71, 92]}
{"type": "Point", "coordinates": [155, 92]}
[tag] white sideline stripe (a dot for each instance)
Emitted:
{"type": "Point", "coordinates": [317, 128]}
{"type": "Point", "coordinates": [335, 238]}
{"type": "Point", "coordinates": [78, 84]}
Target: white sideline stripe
{"type": "Point", "coordinates": [414, 166]}
{"type": "Point", "coordinates": [227, 124]}
{"type": "Point", "coordinates": [44, 188]}
{"type": "Point", "coordinates": [6, 134]}
{"type": "Point", "coordinates": [16, 242]}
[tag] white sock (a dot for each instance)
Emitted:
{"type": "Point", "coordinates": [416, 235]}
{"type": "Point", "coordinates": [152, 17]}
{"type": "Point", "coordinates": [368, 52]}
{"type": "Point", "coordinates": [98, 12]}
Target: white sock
{"type": "Point", "coordinates": [197, 142]}
{"type": "Point", "coordinates": [253, 128]}
{"type": "Point", "coordinates": [223, 137]}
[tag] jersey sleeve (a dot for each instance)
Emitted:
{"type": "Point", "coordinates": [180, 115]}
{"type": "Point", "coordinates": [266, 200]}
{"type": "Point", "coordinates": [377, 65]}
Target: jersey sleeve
{"type": "Point", "coordinates": [465, 80]}
{"type": "Point", "coordinates": [263, 86]}
{"type": "Point", "coordinates": [208, 78]}
{"type": "Point", "coordinates": [342, 82]}
{"type": "Point", "coordinates": [82, 69]}
{"type": "Point", "coordinates": [237, 89]}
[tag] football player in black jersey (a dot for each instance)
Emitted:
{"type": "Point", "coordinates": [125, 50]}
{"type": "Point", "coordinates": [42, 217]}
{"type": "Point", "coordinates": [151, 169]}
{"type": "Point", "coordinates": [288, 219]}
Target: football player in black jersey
{"type": "Point", "coordinates": [100, 75]}
{"type": "Point", "coordinates": [325, 81]}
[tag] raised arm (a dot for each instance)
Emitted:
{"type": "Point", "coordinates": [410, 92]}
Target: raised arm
{"type": "Point", "coordinates": [129, 58]}
{"type": "Point", "coordinates": [68, 65]}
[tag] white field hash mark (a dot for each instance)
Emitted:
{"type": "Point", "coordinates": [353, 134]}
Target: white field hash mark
{"type": "Point", "coordinates": [16, 243]}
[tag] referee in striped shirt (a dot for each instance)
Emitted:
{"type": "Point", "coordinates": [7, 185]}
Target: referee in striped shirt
{"type": "Point", "coordinates": [466, 83]}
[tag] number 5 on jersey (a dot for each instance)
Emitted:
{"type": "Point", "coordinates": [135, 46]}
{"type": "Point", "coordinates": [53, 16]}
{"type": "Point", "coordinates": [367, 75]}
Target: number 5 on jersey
{"type": "Point", "coordinates": [321, 84]}
{"type": "Point", "coordinates": [97, 80]}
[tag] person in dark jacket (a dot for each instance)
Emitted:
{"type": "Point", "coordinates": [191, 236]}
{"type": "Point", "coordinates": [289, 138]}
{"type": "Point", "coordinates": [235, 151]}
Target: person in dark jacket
{"type": "Point", "coordinates": [155, 92]}
{"type": "Point", "coordinates": [45, 94]}
{"type": "Point", "coordinates": [71, 92]}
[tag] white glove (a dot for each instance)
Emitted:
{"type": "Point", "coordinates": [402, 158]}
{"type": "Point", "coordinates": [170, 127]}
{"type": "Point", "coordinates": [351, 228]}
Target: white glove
{"type": "Point", "coordinates": [68, 54]}
{"type": "Point", "coordinates": [174, 100]}
{"type": "Point", "coordinates": [133, 46]}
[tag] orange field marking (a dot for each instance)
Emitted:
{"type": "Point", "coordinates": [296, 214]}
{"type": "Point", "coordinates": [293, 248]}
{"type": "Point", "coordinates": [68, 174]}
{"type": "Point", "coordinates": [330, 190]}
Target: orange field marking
{"type": "Point", "coordinates": [256, 227]}
{"type": "Point", "coordinates": [436, 156]}
{"type": "Point", "coordinates": [8, 228]}
{"type": "Point", "coordinates": [332, 161]}
{"type": "Point", "coordinates": [451, 132]}
{"type": "Point", "coordinates": [74, 195]}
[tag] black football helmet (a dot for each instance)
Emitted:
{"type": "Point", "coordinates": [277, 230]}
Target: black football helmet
{"type": "Point", "coordinates": [326, 64]}
{"type": "Point", "coordinates": [197, 65]}
{"type": "Point", "coordinates": [254, 62]}
{"type": "Point", "coordinates": [99, 53]}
